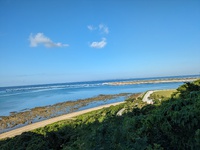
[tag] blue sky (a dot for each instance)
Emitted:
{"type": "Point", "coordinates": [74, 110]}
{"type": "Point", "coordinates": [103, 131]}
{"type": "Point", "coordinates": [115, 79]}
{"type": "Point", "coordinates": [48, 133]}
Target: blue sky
{"type": "Point", "coordinates": [53, 41]}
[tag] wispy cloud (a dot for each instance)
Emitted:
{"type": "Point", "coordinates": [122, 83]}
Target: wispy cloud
{"type": "Point", "coordinates": [103, 28]}
{"type": "Point", "coordinates": [40, 38]}
{"type": "Point", "coordinates": [100, 44]}
{"type": "Point", "coordinates": [91, 28]}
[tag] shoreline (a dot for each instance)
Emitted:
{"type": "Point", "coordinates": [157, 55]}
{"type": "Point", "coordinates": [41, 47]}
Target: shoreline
{"type": "Point", "coordinates": [33, 125]}
{"type": "Point", "coordinates": [36, 125]}
{"type": "Point", "coordinates": [151, 81]}
{"type": "Point", "coordinates": [19, 119]}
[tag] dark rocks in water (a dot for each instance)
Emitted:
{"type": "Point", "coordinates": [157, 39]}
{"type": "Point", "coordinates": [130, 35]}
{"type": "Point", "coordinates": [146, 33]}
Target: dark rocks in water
{"type": "Point", "coordinates": [13, 113]}
{"type": "Point", "coordinates": [41, 113]}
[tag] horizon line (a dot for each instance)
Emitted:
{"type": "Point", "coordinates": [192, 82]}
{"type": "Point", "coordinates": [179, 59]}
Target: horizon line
{"type": "Point", "coordinates": [69, 82]}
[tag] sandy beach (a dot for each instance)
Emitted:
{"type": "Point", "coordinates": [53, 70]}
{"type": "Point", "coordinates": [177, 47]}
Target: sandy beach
{"type": "Point", "coordinates": [33, 126]}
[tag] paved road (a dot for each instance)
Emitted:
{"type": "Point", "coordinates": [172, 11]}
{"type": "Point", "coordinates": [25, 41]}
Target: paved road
{"type": "Point", "coordinates": [146, 97]}
{"type": "Point", "coordinates": [33, 126]}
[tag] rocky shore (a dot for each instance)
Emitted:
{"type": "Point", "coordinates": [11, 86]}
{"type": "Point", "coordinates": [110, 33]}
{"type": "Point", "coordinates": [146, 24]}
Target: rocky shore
{"type": "Point", "coordinates": [152, 81]}
{"type": "Point", "coordinates": [29, 116]}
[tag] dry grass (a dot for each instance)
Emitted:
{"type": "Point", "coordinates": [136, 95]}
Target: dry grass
{"type": "Point", "coordinates": [165, 93]}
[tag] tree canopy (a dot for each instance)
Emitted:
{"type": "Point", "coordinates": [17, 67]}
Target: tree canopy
{"type": "Point", "coordinates": [172, 124]}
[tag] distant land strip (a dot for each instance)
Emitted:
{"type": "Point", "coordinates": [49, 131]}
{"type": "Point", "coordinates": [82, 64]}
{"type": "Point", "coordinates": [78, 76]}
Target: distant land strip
{"type": "Point", "coordinates": [168, 80]}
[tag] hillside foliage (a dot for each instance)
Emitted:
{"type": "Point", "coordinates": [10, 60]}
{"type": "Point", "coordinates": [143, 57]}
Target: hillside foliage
{"type": "Point", "coordinates": [171, 124]}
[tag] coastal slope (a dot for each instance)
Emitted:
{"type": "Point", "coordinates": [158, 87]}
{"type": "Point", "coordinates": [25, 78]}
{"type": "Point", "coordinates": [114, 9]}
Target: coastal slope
{"type": "Point", "coordinates": [170, 123]}
{"type": "Point", "coordinates": [33, 126]}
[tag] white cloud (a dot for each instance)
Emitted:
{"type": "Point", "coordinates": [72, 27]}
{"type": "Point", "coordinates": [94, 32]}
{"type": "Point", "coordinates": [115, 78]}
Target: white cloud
{"type": "Point", "coordinates": [103, 28]}
{"type": "Point", "coordinates": [100, 44]}
{"type": "Point", "coordinates": [91, 28]}
{"type": "Point", "coordinates": [40, 38]}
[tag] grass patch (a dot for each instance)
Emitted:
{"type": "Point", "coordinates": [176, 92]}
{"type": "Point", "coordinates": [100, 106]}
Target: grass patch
{"type": "Point", "coordinates": [162, 95]}
{"type": "Point", "coordinates": [165, 93]}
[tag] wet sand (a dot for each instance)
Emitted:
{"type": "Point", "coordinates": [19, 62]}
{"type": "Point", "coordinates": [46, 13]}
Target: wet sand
{"type": "Point", "coordinates": [29, 116]}
{"type": "Point", "coordinates": [33, 126]}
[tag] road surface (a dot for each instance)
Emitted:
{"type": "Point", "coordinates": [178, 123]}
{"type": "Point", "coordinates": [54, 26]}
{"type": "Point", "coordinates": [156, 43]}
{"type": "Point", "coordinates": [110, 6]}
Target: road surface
{"type": "Point", "coordinates": [146, 97]}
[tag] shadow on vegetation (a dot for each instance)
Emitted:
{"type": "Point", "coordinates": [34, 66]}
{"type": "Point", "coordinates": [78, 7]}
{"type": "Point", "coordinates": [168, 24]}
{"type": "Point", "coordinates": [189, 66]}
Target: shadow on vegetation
{"type": "Point", "coordinates": [46, 112]}
{"type": "Point", "coordinates": [172, 124]}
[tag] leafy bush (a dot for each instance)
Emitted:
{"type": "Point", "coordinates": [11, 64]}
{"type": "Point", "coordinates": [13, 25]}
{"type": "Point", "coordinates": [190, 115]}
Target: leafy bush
{"type": "Point", "coordinates": [172, 125]}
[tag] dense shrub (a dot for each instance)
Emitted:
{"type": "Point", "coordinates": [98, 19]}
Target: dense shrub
{"type": "Point", "coordinates": [172, 125]}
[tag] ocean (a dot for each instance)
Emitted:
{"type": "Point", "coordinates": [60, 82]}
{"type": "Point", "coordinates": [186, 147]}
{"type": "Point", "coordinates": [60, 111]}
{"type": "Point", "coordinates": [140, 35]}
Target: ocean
{"type": "Point", "coordinates": [21, 98]}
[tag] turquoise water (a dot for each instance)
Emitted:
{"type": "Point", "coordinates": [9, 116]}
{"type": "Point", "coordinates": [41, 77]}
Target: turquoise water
{"type": "Point", "coordinates": [26, 97]}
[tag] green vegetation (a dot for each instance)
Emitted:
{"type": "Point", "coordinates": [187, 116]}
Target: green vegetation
{"type": "Point", "coordinates": [172, 124]}
{"type": "Point", "coordinates": [164, 93]}
{"type": "Point", "coordinates": [41, 113]}
{"type": "Point", "coordinates": [161, 95]}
